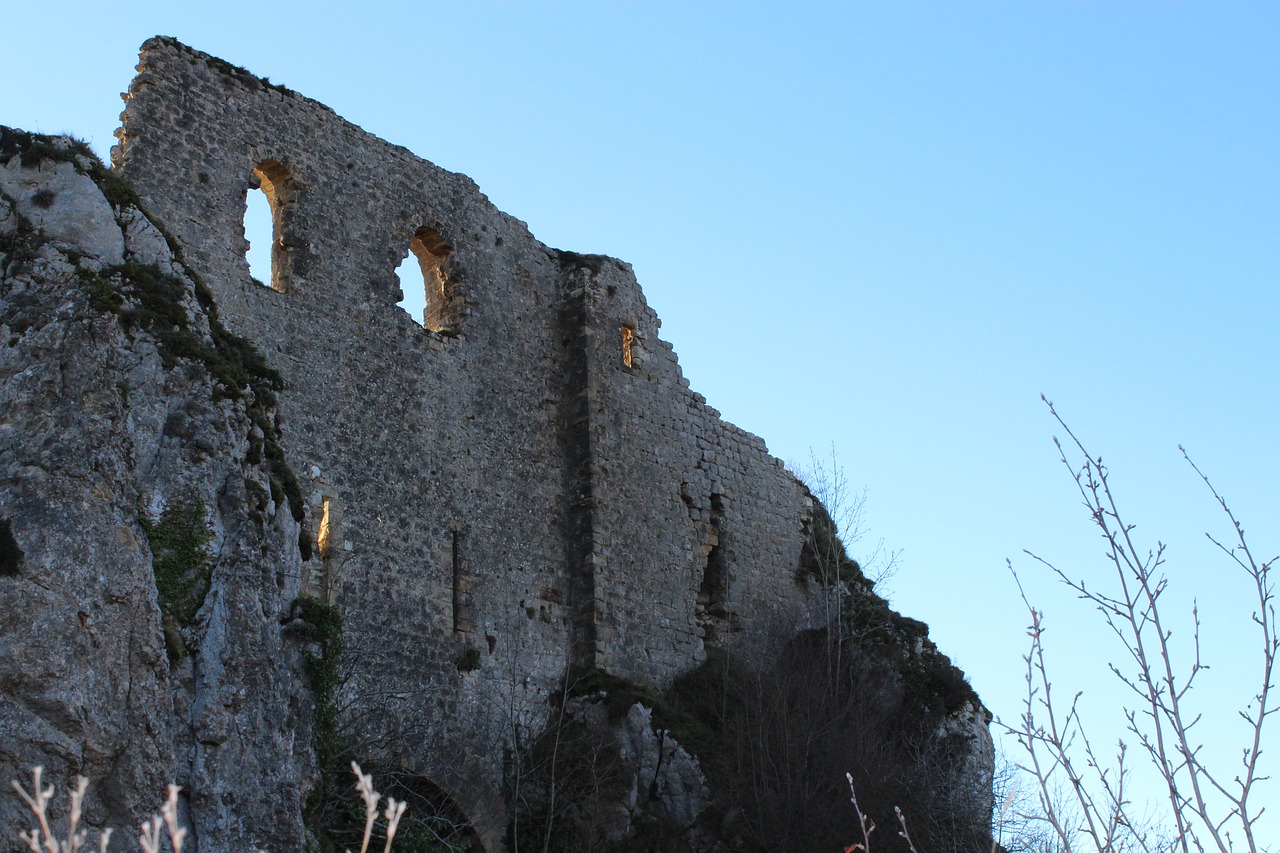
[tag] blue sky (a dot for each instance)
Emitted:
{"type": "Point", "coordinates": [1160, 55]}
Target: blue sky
{"type": "Point", "coordinates": [887, 227]}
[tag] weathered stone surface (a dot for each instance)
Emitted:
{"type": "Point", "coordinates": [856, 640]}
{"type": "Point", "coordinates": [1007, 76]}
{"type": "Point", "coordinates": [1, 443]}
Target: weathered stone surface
{"type": "Point", "coordinates": [88, 686]}
{"type": "Point", "coordinates": [520, 487]}
{"type": "Point", "coordinates": [509, 483]}
{"type": "Point", "coordinates": [667, 782]}
{"type": "Point", "coordinates": [973, 777]}
{"type": "Point", "coordinates": [8, 219]}
{"type": "Point", "coordinates": [143, 240]}
{"type": "Point", "coordinates": [64, 204]}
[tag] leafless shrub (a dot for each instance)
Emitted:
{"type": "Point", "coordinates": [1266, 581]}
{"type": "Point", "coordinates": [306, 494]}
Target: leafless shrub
{"type": "Point", "coordinates": [846, 510]}
{"type": "Point", "coordinates": [1209, 805]}
{"type": "Point", "coordinates": [393, 813]}
{"type": "Point", "coordinates": [165, 826]}
{"type": "Point", "coordinates": [41, 838]}
{"type": "Point", "coordinates": [872, 691]}
{"type": "Point", "coordinates": [1016, 825]}
{"type": "Point", "coordinates": [868, 826]}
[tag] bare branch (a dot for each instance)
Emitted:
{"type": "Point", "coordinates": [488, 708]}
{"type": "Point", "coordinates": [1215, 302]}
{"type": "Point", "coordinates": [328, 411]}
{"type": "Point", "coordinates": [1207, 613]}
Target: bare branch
{"type": "Point", "coordinates": [1202, 800]}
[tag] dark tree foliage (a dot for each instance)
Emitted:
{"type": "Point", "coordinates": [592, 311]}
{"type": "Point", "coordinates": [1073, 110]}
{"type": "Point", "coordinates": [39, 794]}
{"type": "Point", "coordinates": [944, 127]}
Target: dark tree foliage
{"type": "Point", "coordinates": [777, 741]}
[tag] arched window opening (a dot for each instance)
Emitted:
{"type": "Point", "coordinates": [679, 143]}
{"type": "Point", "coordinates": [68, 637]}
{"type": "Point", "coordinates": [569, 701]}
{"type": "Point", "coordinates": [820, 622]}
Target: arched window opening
{"type": "Point", "coordinates": [270, 192]}
{"type": "Point", "coordinates": [258, 234]}
{"type": "Point", "coordinates": [432, 820]}
{"type": "Point", "coordinates": [432, 293]}
{"type": "Point", "coordinates": [413, 294]}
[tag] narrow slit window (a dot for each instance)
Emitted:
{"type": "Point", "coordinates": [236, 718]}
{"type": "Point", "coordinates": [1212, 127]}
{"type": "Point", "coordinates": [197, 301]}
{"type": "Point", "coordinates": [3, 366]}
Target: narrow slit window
{"type": "Point", "coordinates": [461, 624]}
{"type": "Point", "coordinates": [628, 345]}
{"type": "Point", "coordinates": [324, 534]}
{"type": "Point", "coordinates": [715, 573]}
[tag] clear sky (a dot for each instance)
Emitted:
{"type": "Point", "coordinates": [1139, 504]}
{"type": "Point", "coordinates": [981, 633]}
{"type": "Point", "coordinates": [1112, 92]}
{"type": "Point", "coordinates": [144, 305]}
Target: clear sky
{"type": "Point", "coordinates": [883, 226]}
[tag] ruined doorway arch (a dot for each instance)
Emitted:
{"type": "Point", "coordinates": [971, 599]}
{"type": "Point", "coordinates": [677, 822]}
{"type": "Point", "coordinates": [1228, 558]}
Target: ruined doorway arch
{"type": "Point", "coordinates": [433, 818]}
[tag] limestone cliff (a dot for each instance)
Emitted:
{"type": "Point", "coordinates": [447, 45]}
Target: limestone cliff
{"type": "Point", "coordinates": [151, 562]}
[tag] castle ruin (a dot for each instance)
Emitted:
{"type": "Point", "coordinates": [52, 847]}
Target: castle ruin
{"type": "Point", "coordinates": [520, 487]}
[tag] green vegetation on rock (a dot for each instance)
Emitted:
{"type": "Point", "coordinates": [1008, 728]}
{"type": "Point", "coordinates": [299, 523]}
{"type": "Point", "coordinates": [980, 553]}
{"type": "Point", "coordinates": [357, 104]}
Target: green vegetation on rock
{"type": "Point", "coordinates": [324, 623]}
{"type": "Point", "coordinates": [32, 149]}
{"type": "Point", "coordinates": [469, 660]}
{"type": "Point", "coordinates": [237, 72]}
{"type": "Point", "coordinates": [179, 541]}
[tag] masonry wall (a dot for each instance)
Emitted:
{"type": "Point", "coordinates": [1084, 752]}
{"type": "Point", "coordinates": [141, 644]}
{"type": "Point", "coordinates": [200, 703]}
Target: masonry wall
{"type": "Point", "coordinates": [697, 529]}
{"type": "Point", "coordinates": [507, 484]}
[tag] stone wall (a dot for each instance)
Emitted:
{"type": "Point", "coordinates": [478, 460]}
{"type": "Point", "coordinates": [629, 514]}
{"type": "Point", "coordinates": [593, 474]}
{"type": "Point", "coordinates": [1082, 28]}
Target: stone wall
{"type": "Point", "coordinates": [697, 530]}
{"type": "Point", "coordinates": [520, 476]}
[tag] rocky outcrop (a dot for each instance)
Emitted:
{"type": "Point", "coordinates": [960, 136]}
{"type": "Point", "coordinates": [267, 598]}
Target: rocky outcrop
{"type": "Point", "coordinates": [149, 629]}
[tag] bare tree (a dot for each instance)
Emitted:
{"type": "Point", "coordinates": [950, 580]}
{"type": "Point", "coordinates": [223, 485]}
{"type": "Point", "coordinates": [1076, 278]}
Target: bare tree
{"type": "Point", "coordinates": [846, 508]}
{"type": "Point", "coordinates": [1017, 824]}
{"type": "Point", "coordinates": [1210, 806]}
{"type": "Point", "coordinates": [875, 692]}
{"type": "Point", "coordinates": [838, 523]}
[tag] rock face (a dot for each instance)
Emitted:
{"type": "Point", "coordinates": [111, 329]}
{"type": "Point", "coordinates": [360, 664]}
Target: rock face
{"type": "Point", "coordinates": [202, 476]}
{"type": "Point", "coordinates": [667, 782]}
{"type": "Point", "coordinates": [115, 457]}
